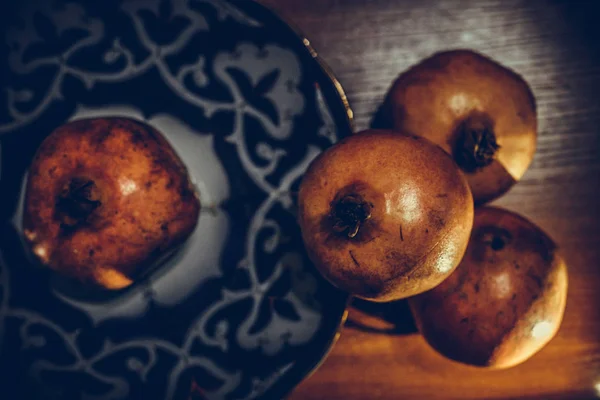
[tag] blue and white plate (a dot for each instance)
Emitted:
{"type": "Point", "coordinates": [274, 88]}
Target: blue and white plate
{"type": "Point", "coordinates": [238, 312]}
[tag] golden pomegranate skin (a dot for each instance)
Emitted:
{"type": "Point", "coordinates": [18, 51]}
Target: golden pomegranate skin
{"type": "Point", "coordinates": [480, 112]}
{"type": "Point", "coordinates": [506, 299]}
{"type": "Point", "coordinates": [105, 197]}
{"type": "Point", "coordinates": [385, 215]}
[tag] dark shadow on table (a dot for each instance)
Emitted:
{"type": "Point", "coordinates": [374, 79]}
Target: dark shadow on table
{"type": "Point", "coordinates": [380, 119]}
{"type": "Point", "coordinates": [392, 318]}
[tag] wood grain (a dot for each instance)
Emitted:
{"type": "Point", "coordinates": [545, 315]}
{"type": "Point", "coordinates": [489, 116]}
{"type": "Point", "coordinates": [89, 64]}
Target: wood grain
{"type": "Point", "coordinates": [554, 45]}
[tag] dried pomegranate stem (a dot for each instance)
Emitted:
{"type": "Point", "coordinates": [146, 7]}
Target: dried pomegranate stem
{"type": "Point", "coordinates": [76, 202]}
{"type": "Point", "coordinates": [348, 213]}
{"type": "Point", "coordinates": [495, 237]}
{"type": "Point", "coordinates": [476, 145]}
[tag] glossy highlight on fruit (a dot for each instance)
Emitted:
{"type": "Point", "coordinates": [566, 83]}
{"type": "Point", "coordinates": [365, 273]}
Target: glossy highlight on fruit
{"type": "Point", "coordinates": [105, 198]}
{"type": "Point", "coordinates": [384, 215]}
{"type": "Point", "coordinates": [506, 299]}
{"type": "Point", "coordinates": [474, 108]}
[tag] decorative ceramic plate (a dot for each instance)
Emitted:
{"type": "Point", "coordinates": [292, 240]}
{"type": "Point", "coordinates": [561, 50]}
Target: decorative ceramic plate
{"type": "Point", "coordinates": [238, 312]}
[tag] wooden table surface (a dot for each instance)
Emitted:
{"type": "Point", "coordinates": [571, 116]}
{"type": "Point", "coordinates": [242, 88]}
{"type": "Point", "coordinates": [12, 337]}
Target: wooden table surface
{"type": "Point", "coordinates": [554, 45]}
